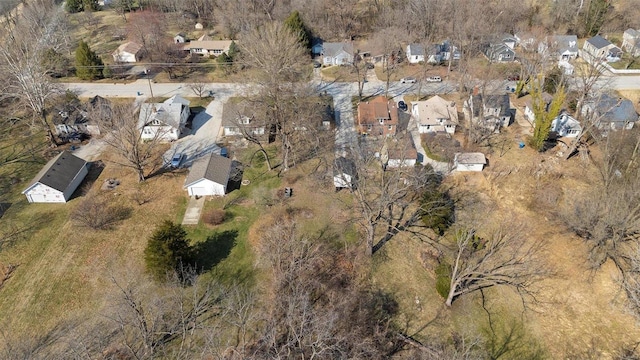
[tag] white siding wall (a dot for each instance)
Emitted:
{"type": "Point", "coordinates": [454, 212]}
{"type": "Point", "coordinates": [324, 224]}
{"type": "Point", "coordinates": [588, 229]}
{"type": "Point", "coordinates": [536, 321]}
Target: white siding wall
{"type": "Point", "coordinates": [206, 187]}
{"type": "Point", "coordinates": [469, 167]}
{"type": "Point", "coordinates": [166, 133]}
{"type": "Point", "coordinates": [125, 57]}
{"type": "Point", "coordinates": [43, 194]}
{"type": "Point", "coordinates": [342, 181]}
{"type": "Point", "coordinates": [395, 163]}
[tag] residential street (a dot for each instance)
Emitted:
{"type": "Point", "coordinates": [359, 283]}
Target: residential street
{"type": "Point", "coordinates": [207, 124]}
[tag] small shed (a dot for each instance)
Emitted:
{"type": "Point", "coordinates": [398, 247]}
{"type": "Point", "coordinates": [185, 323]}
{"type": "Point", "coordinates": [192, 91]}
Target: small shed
{"type": "Point", "coordinates": [180, 38]}
{"type": "Point", "coordinates": [344, 173]}
{"type": "Point", "coordinates": [199, 26]}
{"type": "Point", "coordinates": [469, 161]}
{"type": "Point", "coordinates": [209, 176]}
{"type": "Point", "coordinates": [57, 180]}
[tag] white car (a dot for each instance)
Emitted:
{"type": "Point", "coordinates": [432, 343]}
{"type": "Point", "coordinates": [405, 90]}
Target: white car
{"type": "Point", "coordinates": [434, 79]}
{"type": "Point", "coordinates": [408, 80]}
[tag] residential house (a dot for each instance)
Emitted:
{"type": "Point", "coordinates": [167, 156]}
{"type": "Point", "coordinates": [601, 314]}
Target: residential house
{"type": "Point", "coordinates": [611, 112]}
{"type": "Point", "coordinates": [129, 52]}
{"type": "Point", "coordinates": [378, 117]}
{"type": "Point", "coordinates": [180, 38]}
{"type": "Point", "coordinates": [562, 47]}
{"type": "Point", "coordinates": [164, 121]}
{"type": "Point", "coordinates": [601, 49]}
{"type": "Point", "coordinates": [447, 50]}
{"type": "Point", "coordinates": [344, 173]}
{"type": "Point", "coordinates": [469, 161]}
{"type": "Point", "coordinates": [566, 67]}
{"type": "Point", "coordinates": [415, 53]}
{"type": "Point", "coordinates": [631, 41]}
{"type": "Point", "coordinates": [525, 40]}
{"type": "Point", "coordinates": [238, 119]}
{"type": "Point", "coordinates": [499, 52]}
{"type": "Point", "coordinates": [490, 111]}
{"type": "Point", "coordinates": [508, 40]}
{"type": "Point", "coordinates": [206, 46]}
{"type": "Point", "coordinates": [337, 53]}
{"type": "Point", "coordinates": [57, 180]}
{"type": "Point", "coordinates": [528, 106]}
{"type": "Point", "coordinates": [399, 151]}
{"type": "Point", "coordinates": [211, 175]}
{"type": "Point", "coordinates": [565, 125]}
{"type": "Point", "coordinates": [435, 115]}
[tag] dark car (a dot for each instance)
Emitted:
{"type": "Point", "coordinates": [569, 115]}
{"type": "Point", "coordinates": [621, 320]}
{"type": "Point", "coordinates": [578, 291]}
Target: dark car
{"type": "Point", "coordinates": [224, 152]}
{"type": "Point", "coordinates": [513, 78]}
{"type": "Point", "coordinates": [402, 105]}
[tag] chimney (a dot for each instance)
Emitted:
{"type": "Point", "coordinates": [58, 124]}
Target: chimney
{"type": "Point", "coordinates": [476, 91]}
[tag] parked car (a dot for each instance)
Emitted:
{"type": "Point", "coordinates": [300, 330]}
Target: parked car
{"type": "Point", "coordinates": [402, 105]}
{"type": "Point", "coordinates": [408, 80]}
{"type": "Point", "coordinates": [434, 79]}
{"type": "Point", "coordinates": [316, 64]}
{"type": "Point", "coordinates": [176, 160]}
{"type": "Point", "coordinates": [224, 152]}
{"type": "Point", "coordinates": [513, 77]}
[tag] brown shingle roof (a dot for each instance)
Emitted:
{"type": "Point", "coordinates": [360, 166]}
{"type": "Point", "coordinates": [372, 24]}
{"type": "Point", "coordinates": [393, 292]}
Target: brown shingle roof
{"type": "Point", "coordinates": [372, 111]}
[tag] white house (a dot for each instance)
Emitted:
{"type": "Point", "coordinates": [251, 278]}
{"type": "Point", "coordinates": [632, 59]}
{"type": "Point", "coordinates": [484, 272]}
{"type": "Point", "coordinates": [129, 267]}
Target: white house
{"type": "Point", "coordinates": [601, 49]}
{"type": "Point", "coordinates": [415, 53]}
{"type": "Point", "coordinates": [57, 180]}
{"type": "Point", "coordinates": [180, 38]}
{"type": "Point", "coordinates": [562, 47]}
{"type": "Point", "coordinates": [469, 161]}
{"type": "Point", "coordinates": [435, 115]}
{"type": "Point", "coordinates": [238, 119]}
{"type": "Point", "coordinates": [528, 106]}
{"type": "Point", "coordinates": [164, 121]}
{"type": "Point", "coordinates": [209, 176]}
{"type": "Point", "coordinates": [565, 125]}
{"type": "Point", "coordinates": [337, 53]}
{"type": "Point", "coordinates": [206, 46]}
{"type": "Point", "coordinates": [129, 52]}
{"type": "Point", "coordinates": [344, 173]}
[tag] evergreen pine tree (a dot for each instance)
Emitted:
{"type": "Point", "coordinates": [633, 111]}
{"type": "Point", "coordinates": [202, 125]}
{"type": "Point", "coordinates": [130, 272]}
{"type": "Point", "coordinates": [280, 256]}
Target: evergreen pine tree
{"type": "Point", "coordinates": [233, 51]}
{"type": "Point", "coordinates": [88, 64]}
{"type": "Point", "coordinates": [166, 250]}
{"type": "Point", "coordinates": [296, 25]}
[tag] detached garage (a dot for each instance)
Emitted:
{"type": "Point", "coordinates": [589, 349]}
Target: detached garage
{"type": "Point", "coordinates": [209, 176]}
{"type": "Point", "coordinates": [57, 181]}
{"type": "Point", "coordinates": [469, 161]}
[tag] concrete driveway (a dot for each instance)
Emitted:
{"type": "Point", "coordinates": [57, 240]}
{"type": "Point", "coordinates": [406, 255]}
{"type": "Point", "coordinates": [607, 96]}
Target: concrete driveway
{"type": "Point", "coordinates": [193, 212]}
{"type": "Point", "coordinates": [206, 129]}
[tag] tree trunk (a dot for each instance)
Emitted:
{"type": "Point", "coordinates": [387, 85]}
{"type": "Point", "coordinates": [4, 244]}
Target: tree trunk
{"type": "Point", "coordinates": [50, 134]}
{"type": "Point", "coordinates": [451, 296]}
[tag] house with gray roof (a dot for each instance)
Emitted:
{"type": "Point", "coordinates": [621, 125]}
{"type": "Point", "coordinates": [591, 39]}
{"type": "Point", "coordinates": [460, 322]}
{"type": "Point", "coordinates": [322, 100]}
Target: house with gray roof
{"type": "Point", "coordinates": [344, 173]}
{"type": "Point", "coordinates": [611, 112]}
{"type": "Point", "coordinates": [601, 49]}
{"type": "Point", "coordinates": [164, 121]}
{"type": "Point", "coordinates": [490, 111]}
{"type": "Point", "coordinates": [631, 41]}
{"type": "Point", "coordinates": [210, 175]}
{"type": "Point", "coordinates": [499, 52]}
{"type": "Point", "coordinates": [238, 119]}
{"type": "Point", "coordinates": [415, 53]}
{"type": "Point", "coordinates": [57, 180]}
{"type": "Point", "coordinates": [562, 47]}
{"type": "Point", "coordinates": [337, 53]}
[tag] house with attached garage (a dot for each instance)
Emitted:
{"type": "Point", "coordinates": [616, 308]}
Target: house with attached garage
{"type": "Point", "coordinates": [469, 161]}
{"type": "Point", "coordinates": [238, 119]}
{"type": "Point", "coordinates": [600, 49]}
{"type": "Point", "coordinates": [435, 115]}
{"type": "Point", "coordinates": [344, 173]}
{"type": "Point", "coordinates": [57, 180]}
{"type": "Point", "coordinates": [129, 52]}
{"type": "Point", "coordinates": [211, 175]}
{"type": "Point", "coordinates": [164, 121]}
{"type": "Point", "coordinates": [337, 53]}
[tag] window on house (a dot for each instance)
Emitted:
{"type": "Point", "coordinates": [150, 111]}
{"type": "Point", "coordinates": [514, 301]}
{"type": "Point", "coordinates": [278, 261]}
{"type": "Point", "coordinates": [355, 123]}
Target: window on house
{"type": "Point", "coordinates": [146, 131]}
{"type": "Point", "coordinates": [217, 51]}
{"type": "Point", "coordinates": [381, 121]}
{"type": "Point", "coordinates": [155, 122]}
{"type": "Point", "coordinates": [390, 127]}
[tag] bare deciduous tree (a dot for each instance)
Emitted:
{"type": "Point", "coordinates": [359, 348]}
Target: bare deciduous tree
{"type": "Point", "coordinates": [201, 89]}
{"type": "Point", "coordinates": [504, 258]}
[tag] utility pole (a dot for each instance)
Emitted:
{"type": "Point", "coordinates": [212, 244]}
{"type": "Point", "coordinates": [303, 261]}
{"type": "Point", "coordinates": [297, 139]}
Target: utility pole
{"type": "Point", "coordinates": [146, 71]}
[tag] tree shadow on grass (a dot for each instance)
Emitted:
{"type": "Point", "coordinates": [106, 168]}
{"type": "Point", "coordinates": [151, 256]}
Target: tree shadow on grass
{"type": "Point", "coordinates": [212, 251]}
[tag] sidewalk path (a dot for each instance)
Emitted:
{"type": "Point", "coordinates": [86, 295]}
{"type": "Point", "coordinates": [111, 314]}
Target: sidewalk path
{"type": "Point", "coordinates": [193, 212]}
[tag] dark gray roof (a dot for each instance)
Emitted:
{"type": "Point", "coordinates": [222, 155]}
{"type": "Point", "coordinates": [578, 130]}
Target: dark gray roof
{"type": "Point", "coordinates": [492, 51]}
{"type": "Point", "coordinates": [491, 101]}
{"type": "Point", "coordinates": [616, 110]}
{"type": "Point", "coordinates": [343, 165]}
{"type": "Point", "coordinates": [211, 167]}
{"type": "Point", "coordinates": [599, 42]}
{"type": "Point", "coordinates": [416, 49]}
{"type": "Point", "coordinates": [59, 172]}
